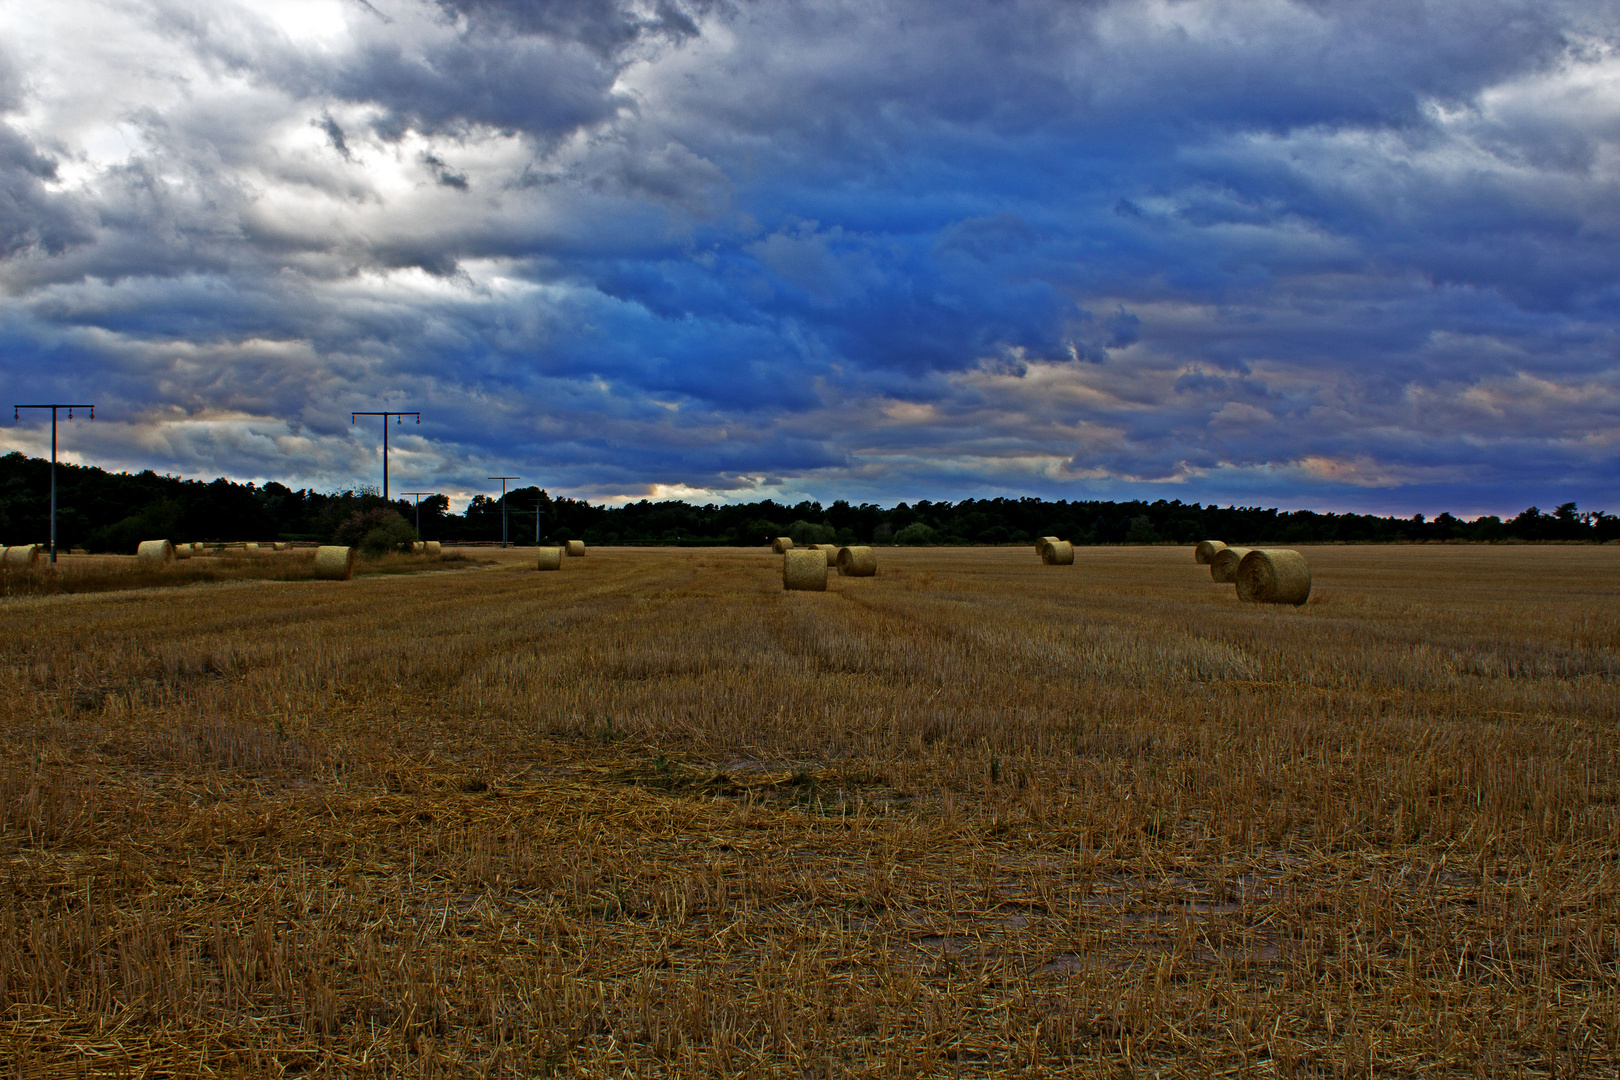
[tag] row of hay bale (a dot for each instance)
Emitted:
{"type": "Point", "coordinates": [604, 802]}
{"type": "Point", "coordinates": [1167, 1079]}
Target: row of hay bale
{"type": "Point", "coordinates": [1262, 575]}
{"type": "Point", "coordinates": [551, 558]}
{"type": "Point", "coordinates": [21, 556]}
{"type": "Point", "coordinates": [806, 568]}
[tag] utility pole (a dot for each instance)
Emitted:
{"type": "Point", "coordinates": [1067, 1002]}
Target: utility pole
{"type": "Point", "coordinates": [537, 512]}
{"type": "Point", "coordinates": [16, 414]}
{"type": "Point", "coordinates": [417, 495]}
{"type": "Point", "coordinates": [385, 416]}
{"type": "Point", "coordinates": [503, 480]}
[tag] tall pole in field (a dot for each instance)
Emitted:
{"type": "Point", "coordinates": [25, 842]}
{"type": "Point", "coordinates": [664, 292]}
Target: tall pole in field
{"type": "Point", "coordinates": [503, 480]}
{"type": "Point", "coordinates": [16, 413]}
{"type": "Point", "coordinates": [385, 416]}
{"type": "Point", "coordinates": [417, 495]}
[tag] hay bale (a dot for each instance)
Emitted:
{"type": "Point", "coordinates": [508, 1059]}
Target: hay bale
{"type": "Point", "coordinates": [432, 549]}
{"type": "Point", "coordinates": [250, 548]}
{"type": "Point", "coordinates": [575, 548]}
{"type": "Point", "coordinates": [1274, 576]}
{"type": "Point", "coordinates": [1058, 553]}
{"type": "Point", "coordinates": [282, 545]}
{"type": "Point", "coordinates": [334, 563]}
{"type": "Point", "coordinates": [782, 545]}
{"type": "Point", "coordinates": [551, 558]}
{"type": "Point", "coordinates": [1042, 544]}
{"type": "Point", "coordinates": [804, 568]}
{"type": "Point", "coordinates": [418, 547]}
{"type": "Point", "coordinates": [856, 562]}
{"type": "Point", "coordinates": [1204, 553]}
{"type": "Point", "coordinates": [182, 551]}
{"type": "Point", "coordinates": [829, 550]}
{"type": "Point", "coordinates": [154, 553]}
{"type": "Point", "coordinates": [22, 556]}
{"type": "Point", "coordinates": [1224, 563]}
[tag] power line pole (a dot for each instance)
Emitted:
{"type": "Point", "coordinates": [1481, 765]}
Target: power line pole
{"type": "Point", "coordinates": [503, 480]}
{"type": "Point", "coordinates": [16, 414]}
{"type": "Point", "coordinates": [417, 495]}
{"type": "Point", "coordinates": [385, 416]}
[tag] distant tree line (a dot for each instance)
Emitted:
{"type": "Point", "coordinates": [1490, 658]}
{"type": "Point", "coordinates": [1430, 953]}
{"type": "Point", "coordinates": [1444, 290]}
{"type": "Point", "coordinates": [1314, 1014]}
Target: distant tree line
{"type": "Point", "coordinates": [113, 512]}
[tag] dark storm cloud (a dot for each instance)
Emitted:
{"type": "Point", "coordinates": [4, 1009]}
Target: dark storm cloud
{"type": "Point", "coordinates": [1246, 250]}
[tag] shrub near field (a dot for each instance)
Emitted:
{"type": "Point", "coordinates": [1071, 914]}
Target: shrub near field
{"type": "Point", "coordinates": [651, 815]}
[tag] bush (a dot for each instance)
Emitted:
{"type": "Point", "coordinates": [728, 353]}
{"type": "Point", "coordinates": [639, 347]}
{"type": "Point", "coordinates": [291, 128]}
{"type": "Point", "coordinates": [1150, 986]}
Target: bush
{"type": "Point", "coordinates": [375, 531]}
{"type": "Point", "coordinates": [804, 533]}
{"type": "Point", "coordinates": [916, 533]}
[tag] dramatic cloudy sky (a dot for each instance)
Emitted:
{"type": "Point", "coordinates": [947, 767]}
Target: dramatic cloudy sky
{"type": "Point", "coordinates": [1357, 254]}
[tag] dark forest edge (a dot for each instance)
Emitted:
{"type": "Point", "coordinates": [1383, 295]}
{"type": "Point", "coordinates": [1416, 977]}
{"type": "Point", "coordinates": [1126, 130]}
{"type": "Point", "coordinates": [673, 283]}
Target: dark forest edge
{"type": "Point", "coordinates": [112, 512]}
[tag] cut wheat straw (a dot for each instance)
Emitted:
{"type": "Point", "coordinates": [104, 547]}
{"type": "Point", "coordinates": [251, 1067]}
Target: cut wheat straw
{"type": "Point", "coordinates": [1224, 563]}
{"type": "Point", "coordinates": [1274, 576]}
{"type": "Point", "coordinates": [155, 553]}
{"type": "Point", "coordinates": [576, 548]}
{"type": "Point", "coordinates": [551, 558]}
{"type": "Point", "coordinates": [1058, 553]}
{"type": "Point", "coordinates": [782, 544]}
{"type": "Point", "coordinates": [1205, 552]}
{"type": "Point", "coordinates": [334, 563]}
{"type": "Point", "coordinates": [804, 568]}
{"type": "Point", "coordinates": [856, 562]}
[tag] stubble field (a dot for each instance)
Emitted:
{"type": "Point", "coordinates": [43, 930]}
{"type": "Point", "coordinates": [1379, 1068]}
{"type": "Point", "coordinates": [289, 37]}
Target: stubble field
{"type": "Point", "coordinates": [651, 816]}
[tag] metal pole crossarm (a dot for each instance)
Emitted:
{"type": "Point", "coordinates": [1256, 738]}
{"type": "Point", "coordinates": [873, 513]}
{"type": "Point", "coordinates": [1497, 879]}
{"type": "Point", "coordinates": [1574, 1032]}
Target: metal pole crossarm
{"type": "Point", "coordinates": [385, 415]}
{"type": "Point", "coordinates": [503, 480]}
{"type": "Point", "coordinates": [16, 414]}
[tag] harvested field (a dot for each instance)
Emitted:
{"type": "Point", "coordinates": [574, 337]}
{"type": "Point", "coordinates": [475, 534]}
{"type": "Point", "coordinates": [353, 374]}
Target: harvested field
{"type": "Point", "coordinates": [655, 816]}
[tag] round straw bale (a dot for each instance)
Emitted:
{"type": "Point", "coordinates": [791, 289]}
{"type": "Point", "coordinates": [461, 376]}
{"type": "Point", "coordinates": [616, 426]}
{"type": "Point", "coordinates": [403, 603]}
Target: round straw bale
{"type": "Point", "coordinates": [1204, 553]}
{"type": "Point", "coordinates": [550, 558]}
{"type": "Point", "coordinates": [155, 553]}
{"type": "Point", "coordinates": [1042, 543]}
{"type": "Point", "coordinates": [1274, 576]}
{"type": "Point", "coordinates": [22, 556]}
{"type": "Point", "coordinates": [282, 545]}
{"type": "Point", "coordinates": [418, 547]}
{"type": "Point", "coordinates": [782, 544]}
{"type": "Point", "coordinates": [804, 568]}
{"type": "Point", "coordinates": [576, 548]}
{"type": "Point", "coordinates": [182, 551]}
{"type": "Point", "coordinates": [432, 549]}
{"type": "Point", "coordinates": [1058, 553]}
{"type": "Point", "coordinates": [334, 563]}
{"type": "Point", "coordinates": [1224, 563]}
{"type": "Point", "coordinates": [856, 562]}
{"type": "Point", "coordinates": [829, 550]}
{"type": "Point", "coordinates": [251, 548]}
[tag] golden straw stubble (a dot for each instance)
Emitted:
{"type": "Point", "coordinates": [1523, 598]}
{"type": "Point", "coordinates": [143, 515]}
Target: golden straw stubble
{"type": "Point", "coordinates": [155, 553]}
{"type": "Point", "coordinates": [1224, 563]}
{"type": "Point", "coordinates": [551, 558]}
{"type": "Point", "coordinates": [1205, 552]}
{"type": "Point", "coordinates": [856, 562]}
{"type": "Point", "coordinates": [1058, 553]}
{"type": "Point", "coordinates": [334, 563]}
{"type": "Point", "coordinates": [804, 569]}
{"type": "Point", "coordinates": [1274, 576]}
